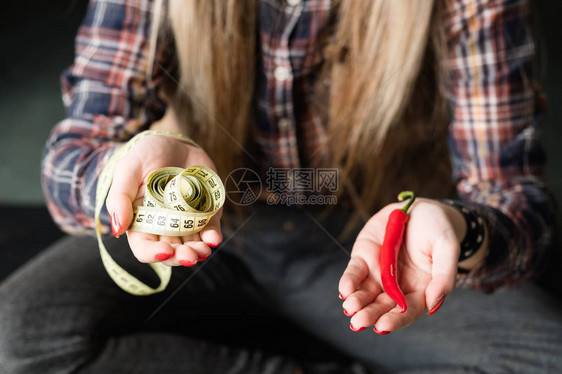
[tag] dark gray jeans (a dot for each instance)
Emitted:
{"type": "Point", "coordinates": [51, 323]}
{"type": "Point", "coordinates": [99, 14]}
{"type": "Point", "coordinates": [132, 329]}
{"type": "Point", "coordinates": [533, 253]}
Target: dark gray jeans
{"type": "Point", "coordinates": [62, 314]}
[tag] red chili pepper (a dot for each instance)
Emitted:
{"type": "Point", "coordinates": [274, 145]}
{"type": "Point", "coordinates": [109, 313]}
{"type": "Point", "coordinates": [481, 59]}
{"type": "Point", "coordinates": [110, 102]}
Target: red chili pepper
{"type": "Point", "coordinates": [392, 242]}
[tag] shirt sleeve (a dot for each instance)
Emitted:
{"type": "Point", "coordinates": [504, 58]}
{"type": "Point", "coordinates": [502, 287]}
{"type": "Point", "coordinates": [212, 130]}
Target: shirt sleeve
{"type": "Point", "coordinates": [498, 160]}
{"type": "Point", "coordinates": [107, 101]}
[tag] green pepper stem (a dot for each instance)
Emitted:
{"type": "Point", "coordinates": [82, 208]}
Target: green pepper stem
{"type": "Point", "coordinates": [407, 195]}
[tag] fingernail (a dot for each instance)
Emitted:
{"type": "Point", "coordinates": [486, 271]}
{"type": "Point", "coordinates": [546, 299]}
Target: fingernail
{"type": "Point", "coordinates": [348, 314]}
{"type": "Point", "coordinates": [162, 256]}
{"type": "Point", "coordinates": [187, 263]}
{"type": "Point", "coordinates": [115, 224]}
{"type": "Point", "coordinates": [341, 297]}
{"type": "Point", "coordinates": [383, 332]}
{"type": "Point", "coordinates": [213, 245]}
{"type": "Point", "coordinates": [202, 258]}
{"type": "Point", "coordinates": [436, 305]}
{"type": "Point", "coordinates": [356, 330]}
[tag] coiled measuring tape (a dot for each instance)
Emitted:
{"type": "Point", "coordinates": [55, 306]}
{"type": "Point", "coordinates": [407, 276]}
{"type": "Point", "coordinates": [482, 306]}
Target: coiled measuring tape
{"type": "Point", "coordinates": [177, 202]}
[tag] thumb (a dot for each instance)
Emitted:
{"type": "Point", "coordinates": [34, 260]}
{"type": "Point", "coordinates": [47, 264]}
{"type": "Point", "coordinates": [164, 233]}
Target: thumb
{"type": "Point", "coordinates": [358, 270]}
{"type": "Point", "coordinates": [122, 194]}
{"type": "Point", "coordinates": [443, 271]}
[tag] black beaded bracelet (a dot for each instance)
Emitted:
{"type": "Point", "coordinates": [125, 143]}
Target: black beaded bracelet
{"type": "Point", "coordinates": [474, 230]}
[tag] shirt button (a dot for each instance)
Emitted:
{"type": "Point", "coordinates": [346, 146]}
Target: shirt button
{"type": "Point", "coordinates": [284, 123]}
{"type": "Point", "coordinates": [293, 2]}
{"type": "Point", "coordinates": [281, 73]}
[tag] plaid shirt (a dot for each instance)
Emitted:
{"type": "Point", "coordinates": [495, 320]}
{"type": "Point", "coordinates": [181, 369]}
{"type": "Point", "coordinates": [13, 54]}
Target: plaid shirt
{"type": "Point", "coordinates": [497, 158]}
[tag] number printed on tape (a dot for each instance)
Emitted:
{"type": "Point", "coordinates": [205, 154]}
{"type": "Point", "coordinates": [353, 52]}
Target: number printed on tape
{"type": "Point", "coordinates": [177, 202]}
{"type": "Point", "coordinates": [181, 213]}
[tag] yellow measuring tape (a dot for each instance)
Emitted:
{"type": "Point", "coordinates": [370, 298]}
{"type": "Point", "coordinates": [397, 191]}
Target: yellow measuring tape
{"type": "Point", "coordinates": [177, 202]}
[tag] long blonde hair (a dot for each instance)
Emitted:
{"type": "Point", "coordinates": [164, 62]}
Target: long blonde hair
{"type": "Point", "coordinates": [385, 118]}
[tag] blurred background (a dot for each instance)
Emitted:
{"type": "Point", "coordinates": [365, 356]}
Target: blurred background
{"type": "Point", "coordinates": [36, 44]}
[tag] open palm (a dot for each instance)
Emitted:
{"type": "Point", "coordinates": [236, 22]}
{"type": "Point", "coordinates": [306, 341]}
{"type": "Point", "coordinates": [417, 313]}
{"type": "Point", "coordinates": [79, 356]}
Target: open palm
{"type": "Point", "coordinates": [427, 268]}
{"type": "Point", "coordinates": [150, 153]}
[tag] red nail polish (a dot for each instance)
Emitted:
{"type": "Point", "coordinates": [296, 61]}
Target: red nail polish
{"type": "Point", "coordinates": [162, 256]}
{"type": "Point", "coordinates": [356, 330]}
{"type": "Point", "coordinates": [115, 224]}
{"type": "Point", "coordinates": [202, 258]}
{"type": "Point", "coordinates": [436, 305]}
{"type": "Point", "coordinates": [341, 296]}
{"type": "Point", "coordinates": [213, 245]}
{"type": "Point", "coordinates": [348, 314]}
{"type": "Point", "coordinates": [383, 332]}
{"type": "Point", "coordinates": [187, 263]}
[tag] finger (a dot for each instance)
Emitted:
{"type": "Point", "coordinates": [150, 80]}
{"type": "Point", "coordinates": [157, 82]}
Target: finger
{"type": "Point", "coordinates": [148, 248]}
{"type": "Point", "coordinates": [211, 235]}
{"type": "Point", "coordinates": [443, 271]}
{"type": "Point", "coordinates": [203, 251]}
{"type": "Point", "coordinates": [173, 241]}
{"type": "Point", "coordinates": [394, 319]}
{"type": "Point", "coordinates": [166, 255]}
{"type": "Point", "coordinates": [122, 194]}
{"type": "Point", "coordinates": [353, 276]}
{"type": "Point", "coordinates": [186, 255]}
{"type": "Point", "coordinates": [361, 298]}
{"type": "Point", "coordinates": [371, 313]}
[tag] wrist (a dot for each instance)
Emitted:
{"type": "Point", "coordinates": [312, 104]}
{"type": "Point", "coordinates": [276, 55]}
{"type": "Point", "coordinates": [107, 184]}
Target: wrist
{"type": "Point", "coordinates": [478, 257]}
{"type": "Point", "coordinates": [471, 232]}
{"type": "Point", "coordinates": [170, 135]}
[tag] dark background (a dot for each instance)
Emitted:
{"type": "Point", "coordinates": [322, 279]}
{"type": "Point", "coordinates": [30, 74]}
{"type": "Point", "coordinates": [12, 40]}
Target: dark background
{"type": "Point", "coordinates": [36, 43]}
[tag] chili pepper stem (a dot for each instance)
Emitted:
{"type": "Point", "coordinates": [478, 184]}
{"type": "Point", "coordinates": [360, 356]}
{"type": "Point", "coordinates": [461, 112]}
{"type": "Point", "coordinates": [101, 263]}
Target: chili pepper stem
{"type": "Point", "coordinates": [407, 195]}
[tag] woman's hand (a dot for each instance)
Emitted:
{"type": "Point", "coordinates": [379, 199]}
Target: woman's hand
{"type": "Point", "coordinates": [150, 153]}
{"type": "Point", "coordinates": [427, 266]}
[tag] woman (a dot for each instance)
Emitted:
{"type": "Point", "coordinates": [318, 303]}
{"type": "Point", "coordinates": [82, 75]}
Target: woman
{"type": "Point", "coordinates": [374, 90]}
